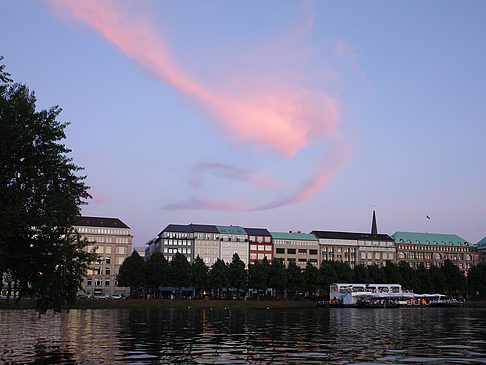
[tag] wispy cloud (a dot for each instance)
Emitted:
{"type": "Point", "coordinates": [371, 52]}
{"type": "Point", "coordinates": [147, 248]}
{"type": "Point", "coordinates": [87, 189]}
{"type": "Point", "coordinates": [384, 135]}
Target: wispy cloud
{"type": "Point", "coordinates": [257, 178]}
{"type": "Point", "coordinates": [280, 115]}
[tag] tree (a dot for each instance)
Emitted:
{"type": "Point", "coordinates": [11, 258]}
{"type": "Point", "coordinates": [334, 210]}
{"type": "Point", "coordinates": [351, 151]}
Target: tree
{"type": "Point", "coordinates": [477, 280]}
{"type": "Point", "coordinates": [295, 280]}
{"type": "Point", "coordinates": [157, 272]}
{"type": "Point", "coordinates": [218, 276]}
{"type": "Point", "coordinates": [40, 197]}
{"type": "Point", "coordinates": [237, 273]}
{"type": "Point", "coordinates": [277, 277]}
{"type": "Point", "coordinates": [180, 272]}
{"type": "Point", "coordinates": [132, 272]}
{"type": "Point", "coordinates": [199, 275]}
{"type": "Point", "coordinates": [327, 275]}
{"type": "Point", "coordinates": [455, 281]}
{"type": "Point", "coordinates": [311, 278]}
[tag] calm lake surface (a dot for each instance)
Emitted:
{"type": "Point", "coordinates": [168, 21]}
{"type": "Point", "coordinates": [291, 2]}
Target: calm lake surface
{"type": "Point", "coordinates": [244, 336]}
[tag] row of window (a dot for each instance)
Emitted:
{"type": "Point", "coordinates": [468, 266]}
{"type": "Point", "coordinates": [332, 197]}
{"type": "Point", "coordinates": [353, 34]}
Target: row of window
{"type": "Point", "coordinates": [260, 256]}
{"type": "Point", "coordinates": [434, 248]}
{"type": "Point", "coordinates": [99, 282]}
{"type": "Point", "coordinates": [120, 250]}
{"type": "Point", "coordinates": [182, 250]}
{"type": "Point", "coordinates": [261, 248]}
{"type": "Point", "coordinates": [260, 239]}
{"type": "Point", "coordinates": [293, 251]}
{"type": "Point", "coordinates": [103, 230]}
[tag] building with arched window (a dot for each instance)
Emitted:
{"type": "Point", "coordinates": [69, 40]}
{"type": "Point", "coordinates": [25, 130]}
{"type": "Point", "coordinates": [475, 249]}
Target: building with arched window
{"type": "Point", "coordinates": [433, 249]}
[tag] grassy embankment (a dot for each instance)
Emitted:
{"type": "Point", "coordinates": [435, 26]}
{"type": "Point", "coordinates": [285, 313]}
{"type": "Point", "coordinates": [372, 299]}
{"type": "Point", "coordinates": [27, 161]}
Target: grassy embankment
{"type": "Point", "coordinates": [181, 303]}
{"type": "Point", "coordinates": [166, 303]}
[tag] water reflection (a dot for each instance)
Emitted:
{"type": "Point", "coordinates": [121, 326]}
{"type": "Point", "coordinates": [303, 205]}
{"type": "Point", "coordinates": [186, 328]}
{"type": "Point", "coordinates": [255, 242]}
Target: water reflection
{"type": "Point", "coordinates": [245, 336]}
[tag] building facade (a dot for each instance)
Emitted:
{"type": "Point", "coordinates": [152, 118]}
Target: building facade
{"type": "Point", "coordinates": [234, 239]}
{"type": "Point", "coordinates": [433, 249]}
{"type": "Point", "coordinates": [260, 244]}
{"type": "Point", "coordinates": [296, 247]}
{"type": "Point", "coordinates": [206, 243]}
{"type": "Point", "coordinates": [111, 240]}
{"type": "Point", "coordinates": [481, 247]}
{"type": "Point", "coordinates": [355, 248]}
{"type": "Point", "coordinates": [173, 239]}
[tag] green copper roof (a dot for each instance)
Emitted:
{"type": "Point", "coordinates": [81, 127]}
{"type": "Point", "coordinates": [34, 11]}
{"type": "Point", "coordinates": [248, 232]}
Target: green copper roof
{"type": "Point", "coordinates": [430, 239]}
{"type": "Point", "coordinates": [481, 245]}
{"type": "Point", "coordinates": [231, 230]}
{"type": "Point", "coordinates": [293, 236]}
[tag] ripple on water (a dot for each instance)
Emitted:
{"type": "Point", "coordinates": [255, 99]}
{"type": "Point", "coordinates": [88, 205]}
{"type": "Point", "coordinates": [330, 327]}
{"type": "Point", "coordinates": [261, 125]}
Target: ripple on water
{"type": "Point", "coordinates": [241, 336]}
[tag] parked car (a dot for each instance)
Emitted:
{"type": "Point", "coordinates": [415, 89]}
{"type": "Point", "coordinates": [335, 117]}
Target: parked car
{"type": "Point", "coordinates": [82, 296]}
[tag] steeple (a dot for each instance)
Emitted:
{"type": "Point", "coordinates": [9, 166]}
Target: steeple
{"type": "Point", "coordinates": [374, 230]}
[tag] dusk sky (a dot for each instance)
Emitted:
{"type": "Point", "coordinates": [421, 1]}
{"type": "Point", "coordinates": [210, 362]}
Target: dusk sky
{"type": "Point", "coordinates": [279, 114]}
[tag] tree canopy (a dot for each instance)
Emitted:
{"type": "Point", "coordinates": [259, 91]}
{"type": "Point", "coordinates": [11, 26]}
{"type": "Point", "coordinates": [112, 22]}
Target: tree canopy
{"type": "Point", "coordinates": [40, 196]}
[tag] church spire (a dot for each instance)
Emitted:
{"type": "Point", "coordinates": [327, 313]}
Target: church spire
{"type": "Point", "coordinates": [374, 230]}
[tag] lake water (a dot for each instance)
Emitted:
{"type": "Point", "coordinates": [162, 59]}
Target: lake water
{"type": "Point", "coordinates": [245, 336]}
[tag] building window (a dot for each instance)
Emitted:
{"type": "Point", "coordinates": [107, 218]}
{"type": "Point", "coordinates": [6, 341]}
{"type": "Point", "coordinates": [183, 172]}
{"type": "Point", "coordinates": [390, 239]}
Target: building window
{"type": "Point", "coordinates": [291, 251]}
{"type": "Point", "coordinates": [268, 248]}
{"type": "Point", "coordinates": [267, 239]}
{"type": "Point", "coordinates": [89, 282]}
{"type": "Point", "coordinates": [280, 250]}
{"type": "Point", "coordinates": [253, 256]}
{"type": "Point", "coordinates": [312, 252]}
{"type": "Point", "coordinates": [302, 260]}
{"type": "Point", "coordinates": [290, 260]}
{"type": "Point", "coordinates": [261, 256]}
{"type": "Point", "coordinates": [107, 282]}
{"type": "Point", "coordinates": [302, 251]}
{"type": "Point", "coordinates": [107, 271]}
{"type": "Point", "coordinates": [253, 247]}
{"type": "Point", "coordinates": [108, 260]}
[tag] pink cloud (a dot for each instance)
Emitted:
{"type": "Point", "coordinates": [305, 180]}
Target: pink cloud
{"type": "Point", "coordinates": [313, 184]}
{"type": "Point", "coordinates": [282, 116]}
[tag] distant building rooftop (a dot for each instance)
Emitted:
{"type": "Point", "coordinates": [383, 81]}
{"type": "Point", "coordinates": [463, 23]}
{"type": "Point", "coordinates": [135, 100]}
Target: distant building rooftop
{"type": "Point", "coordinates": [429, 239]}
{"type": "Point", "coordinates": [481, 245]}
{"type": "Point", "coordinates": [100, 222]}
{"type": "Point", "coordinates": [352, 236]}
{"type": "Point", "coordinates": [231, 230]}
{"type": "Point", "coordinates": [257, 232]}
{"type": "Point", "coordinates": [293, 236]}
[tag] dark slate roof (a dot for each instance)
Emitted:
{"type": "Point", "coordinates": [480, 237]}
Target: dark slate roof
{"type": "Point", "coordinates": [352, 236]}
{"type": "Point", "coordinates": [100, 222]}
{"type": "Point", "coordinates": [204, 228]}
{"type": "Point", "coordinates": [185, 228]}
{"type": "Point", "coordinates": [257, 232]}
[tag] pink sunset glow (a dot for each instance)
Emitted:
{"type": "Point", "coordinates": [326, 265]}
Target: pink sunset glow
{"type": "Point", "coordinates": [281, 116]}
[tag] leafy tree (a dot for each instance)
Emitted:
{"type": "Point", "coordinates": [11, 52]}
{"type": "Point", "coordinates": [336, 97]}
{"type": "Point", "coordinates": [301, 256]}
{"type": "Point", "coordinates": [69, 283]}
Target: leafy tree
{"type": "Point", "coordinates": [295, 280]}
{"type": "Point", "coordinates": [311, 278]}
{"type": "Point", "coordinates": [376, 275]}
{"type": "Point", "coordinates": [199, 275]}
{"type": "Point", "coordinates": [180, 272]}
{"type": "Point", "coordinates": [132, 272]}
{"type": "Point", "coordinates": [438, 280]}
{"type": "Point", "coordinates": [392, 273]}
{"type": "Point", "coordinates": [237, 273]}
{"type": "Point", "coordinates": [258, 275]}
{"type": "Point", "coordinates": [277, 276]}
{"type": "Point", "coordinates": [476, 280]}
{"type": "Point", "coordinates": [424, 280]}
{"type": "Point", "coordinates": [327, 275]}
{"type": "Point", "coordinates": [219, 276]}
{"type": "Point", "coordinates": [157, 272]}
{"type": "Point", "coordinates": [455, 281]}
{"type": "Point", "coordinates": [40, 196]}
{"type": "Point", "coordinates": [407, 275]}
{"type": "Point", "coordinates": [361, 274]}
{"type": "Point", "coordinates": [343, 271]}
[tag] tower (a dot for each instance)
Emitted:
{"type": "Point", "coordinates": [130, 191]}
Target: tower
{"type": "Point", "coordinates": [374, 230]}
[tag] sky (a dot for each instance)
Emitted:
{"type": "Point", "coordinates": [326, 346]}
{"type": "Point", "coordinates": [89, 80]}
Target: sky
{"type": "Point", "coordinates": [285, 115]}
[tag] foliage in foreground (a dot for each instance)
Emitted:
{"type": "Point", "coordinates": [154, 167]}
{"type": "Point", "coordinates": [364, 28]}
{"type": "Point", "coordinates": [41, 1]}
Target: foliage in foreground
{"type": "Point", "coordinates": [41, 256]}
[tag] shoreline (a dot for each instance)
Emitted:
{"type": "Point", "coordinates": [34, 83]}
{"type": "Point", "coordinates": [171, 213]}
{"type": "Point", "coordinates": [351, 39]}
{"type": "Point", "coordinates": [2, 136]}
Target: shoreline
{"type": "Point", "coordinates": [184, 303]}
